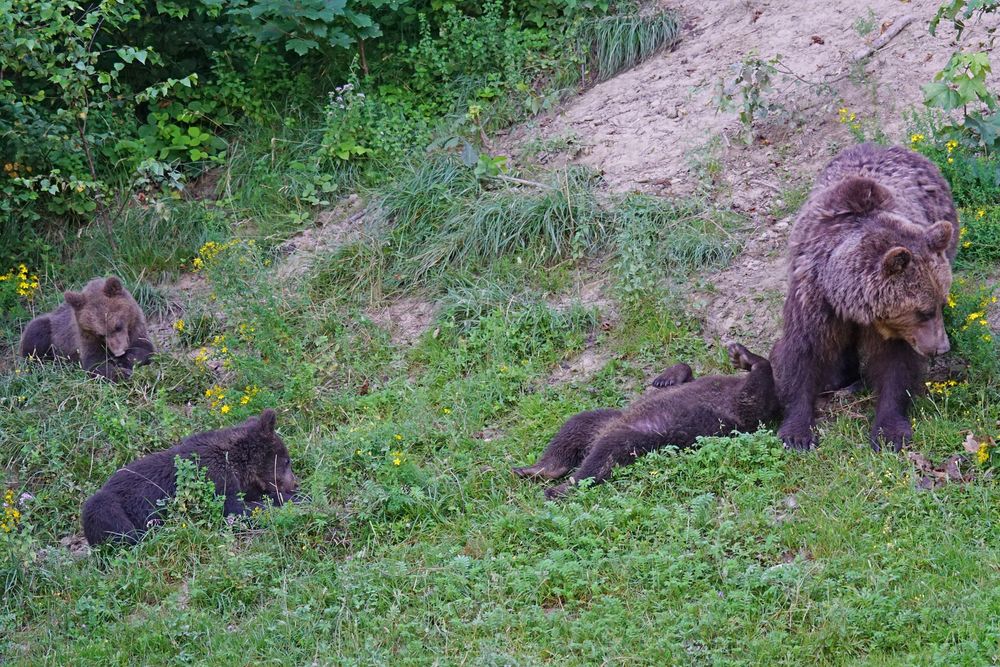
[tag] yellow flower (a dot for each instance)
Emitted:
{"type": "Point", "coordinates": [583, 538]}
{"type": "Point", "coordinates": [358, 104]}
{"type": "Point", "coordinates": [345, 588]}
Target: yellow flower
{"type": "Point", "coordinates": [975, 316]}
{"type": "Point", "coordinates": [396, 461]}
{"type": "Point", "coordinates": [916, 138]}
{"type": "Point", "coordinates": [980, 213]}
{"type": "Point", "coordinates": [951, 301]}
{"type": "Point", "coordinates": [447, 411]}
{"type": "Point", "coordinates": [398, 437]}
{"type": "Point", "coordinates": [950, 160]}
{"type": "Point", "coordinates": [967, 244]}
{"type": "Point", "coordinates": [983, 455]}
{"type": "Point", "coordinates": [951, 145]}
{"type": "Point", "coordinates": [987, 338]}
{"type": "Point", "coordinates": [224, 409]}
{"type": "Point", "coordinates": [179, 326]}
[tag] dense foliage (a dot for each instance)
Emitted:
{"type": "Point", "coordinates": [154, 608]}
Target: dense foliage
{"type": "Point", "coordinates": [100, 101]}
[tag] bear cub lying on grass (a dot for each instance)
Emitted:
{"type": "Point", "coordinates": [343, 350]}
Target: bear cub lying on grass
{"type": "Point", "coordinates": [102, 327]}
{"type": "Point", "coordinates": [676, 413]}
{"type": "Point", "coordinates": [246, 463]}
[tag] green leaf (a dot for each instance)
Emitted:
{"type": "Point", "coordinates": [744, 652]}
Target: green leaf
{"type": "Point", "coordinates": [941, 96]}
{"type": "Point", "coordinates": [301, 46]}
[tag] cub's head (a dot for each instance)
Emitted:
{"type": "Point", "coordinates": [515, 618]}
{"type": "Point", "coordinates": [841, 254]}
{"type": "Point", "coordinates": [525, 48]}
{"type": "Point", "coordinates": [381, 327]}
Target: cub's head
{"type": "Point", "coordinates": [105, 310]}
{"type": "Point", "coordinates": [268, 466]}
{"type": "Point", "coordinates": [909, 281]}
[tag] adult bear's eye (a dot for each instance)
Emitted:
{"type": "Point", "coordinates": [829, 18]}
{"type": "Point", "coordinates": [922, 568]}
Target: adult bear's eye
{"type": "Point", "coordinates": [926, 315]}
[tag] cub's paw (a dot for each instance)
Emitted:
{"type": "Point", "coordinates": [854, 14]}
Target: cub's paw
{"type": "Point", "coordinates": [676, 374]}
{"type": "Point", "coordinates": [557, 492]}
{"type": "Point", "coordinates": [537, 471]}
{"type": "Point", "coordinates": [740, 357]}
{"type": "Point", "coordinates": [895, 433]}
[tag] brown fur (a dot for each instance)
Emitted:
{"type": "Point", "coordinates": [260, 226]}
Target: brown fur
{"type": "Point", "coordinates": [869, 272]}
{"type": "Point", "coordinates": [247, 463]}
{"type": "Point", "coordinates": [676, 412]}
{"type": "Point", "coordinates": [101, 327]}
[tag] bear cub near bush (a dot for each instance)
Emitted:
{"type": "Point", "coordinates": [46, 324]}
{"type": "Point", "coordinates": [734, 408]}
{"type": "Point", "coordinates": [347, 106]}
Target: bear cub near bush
{"type": "Point", "coordinates": [869, 271]}
{"type": "Point", "coordinates": [101, 327]}
{"type": "Point", "coordinates": [676, 412]}
{"type": "Point", "coordinates": [247, 463]}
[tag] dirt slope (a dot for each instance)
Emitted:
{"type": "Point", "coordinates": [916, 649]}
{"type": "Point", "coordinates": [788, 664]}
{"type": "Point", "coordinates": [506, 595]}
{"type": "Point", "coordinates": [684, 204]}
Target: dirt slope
{"type": "Point", "coordinates": [654, 128]}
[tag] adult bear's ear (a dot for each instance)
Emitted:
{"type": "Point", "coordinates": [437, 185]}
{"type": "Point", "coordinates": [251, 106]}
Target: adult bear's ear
{"type": "Point", "coordinates": [858, 195]}
{"type": "Point", "coordinates": [896, 260]}
{"type": "Point", "coordinates": [76, 300]}
{"type": "Point", "coordinates": [113, 286]}
{"type": "Point", "coordinates": [939, 235]}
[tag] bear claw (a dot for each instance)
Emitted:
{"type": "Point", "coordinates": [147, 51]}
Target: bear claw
{"type": "Point", "coordinates": [675, 375]}
{"type": "Point", "coordinates": [896, 435]}
{"type": "Point", "coordinates": [799, 443]}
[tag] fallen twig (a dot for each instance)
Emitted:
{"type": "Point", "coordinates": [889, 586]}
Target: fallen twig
{"type": "Point", "coordinates": [885, 38]}
{"type": "Point", "coordinates": [522, 181]}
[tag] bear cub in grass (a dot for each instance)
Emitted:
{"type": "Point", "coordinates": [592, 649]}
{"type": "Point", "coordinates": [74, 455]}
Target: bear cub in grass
{"type": "Point", "coordinates": [101, 327]}
{"type": "Point", "coordinates": [869, 271]}
{"type": "Point", "coordinates": [247, 463]}
{"type": "Point", "coordinates": [676, 412]}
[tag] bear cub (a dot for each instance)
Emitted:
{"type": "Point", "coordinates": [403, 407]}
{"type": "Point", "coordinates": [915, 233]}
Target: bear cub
{"type": "Point", "coordinates": [676, 412]}
{"type": "Point", "coordinates": [247, 463]}
{"type": "Point", "coordinates": [101, 327]}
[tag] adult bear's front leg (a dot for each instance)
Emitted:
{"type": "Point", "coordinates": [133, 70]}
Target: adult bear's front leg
{"type": "Point", "coordinates": [797, 379]}
{"type": "Point", "coordinates": [895, 371]}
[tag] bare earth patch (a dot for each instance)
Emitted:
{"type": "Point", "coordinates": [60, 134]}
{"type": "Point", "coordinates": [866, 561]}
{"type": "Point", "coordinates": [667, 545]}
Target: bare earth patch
{"type": "Point", "coordinates": [588, 293]}
{"type": "Point", "coordinates": [405, 320]}
{"type": "Point", "coordinates": [333, 228]}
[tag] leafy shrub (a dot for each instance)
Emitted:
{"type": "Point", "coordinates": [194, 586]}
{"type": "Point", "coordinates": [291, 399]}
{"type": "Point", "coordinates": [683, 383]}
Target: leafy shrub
{"type": "Point", "coordinates": [747, 89]}
{"type": "Point", "coordinates": [195, 501]}
{"type": "Point", "coordinates": [968, 329]}
{"type": "Point", "coordinates": [962, 82]}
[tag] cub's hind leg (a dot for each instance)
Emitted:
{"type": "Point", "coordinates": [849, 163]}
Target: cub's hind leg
{"type": "Point", "coordinates": [619, 446]}
{"type": "Point", "coordinates": [569, 446]}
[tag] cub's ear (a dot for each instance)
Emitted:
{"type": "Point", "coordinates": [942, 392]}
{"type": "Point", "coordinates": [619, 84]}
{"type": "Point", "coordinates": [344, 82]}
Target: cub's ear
{"type": "Point", "coordinates": [939, 235]}
{"type": "Point", "coordinates": [113, 287]}
{"type": "Point", "coordinates": [896, 260]}
{"type": "Point", "coordinates": [76, 300]}
{"type": "Point", "coordinates": [857, 195]}
{"type": "Point", "coordinates": [266, 422]}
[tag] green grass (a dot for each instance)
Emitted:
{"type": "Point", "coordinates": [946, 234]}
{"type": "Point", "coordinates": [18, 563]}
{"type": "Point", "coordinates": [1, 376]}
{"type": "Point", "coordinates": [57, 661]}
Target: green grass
{"type": "Point", "coordinates": [620, 41]}
{"type": "Point", "coordinates": [696, 557]}
{"type": "Point", "coordinates": [418, 546]}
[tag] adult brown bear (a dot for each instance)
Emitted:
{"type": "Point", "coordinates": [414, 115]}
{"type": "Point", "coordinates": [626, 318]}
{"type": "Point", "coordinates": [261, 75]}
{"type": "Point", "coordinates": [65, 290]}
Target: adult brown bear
{"type": "Point", "coordinates": [869, 271]}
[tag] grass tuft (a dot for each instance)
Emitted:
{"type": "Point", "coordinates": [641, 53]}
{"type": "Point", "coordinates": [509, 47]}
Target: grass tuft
{"type": "Point", "coordinates": [620, 41]}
